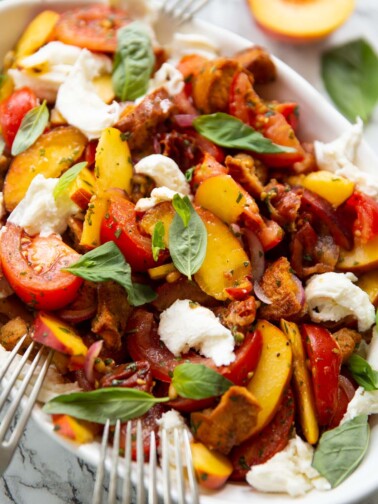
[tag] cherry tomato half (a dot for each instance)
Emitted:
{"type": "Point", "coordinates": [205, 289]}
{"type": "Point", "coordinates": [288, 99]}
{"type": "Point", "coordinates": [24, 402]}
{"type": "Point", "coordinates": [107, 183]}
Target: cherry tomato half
{"type": "Point", "coordinates": [364, 211]}
{"type": "Point", "coordinates": [13, 110]}
{"type": "Point", "coordinates": [94, 27]}
{"type": "Point", "coordinates": [325, 360]}
{"type": "Point", "coordinates": [143, 343]}
{"type": "Point", "coordinates": [120, 225]}
{"type": "Point", "coordinates": [33, 267]}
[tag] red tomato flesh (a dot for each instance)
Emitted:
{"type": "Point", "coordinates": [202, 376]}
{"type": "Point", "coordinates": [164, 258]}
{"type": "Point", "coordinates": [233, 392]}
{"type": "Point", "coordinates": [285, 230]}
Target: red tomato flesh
{"type": "Point", "coordinates": [33, 267]}
{"type": "Point", "coordinates": [143, 343]}
{"type": "Point", "coordinates": [325, 361]}
{"type": "Point", "coordinates": [365, 212]}
{"type": "Point", "coordinates": [13, 110]}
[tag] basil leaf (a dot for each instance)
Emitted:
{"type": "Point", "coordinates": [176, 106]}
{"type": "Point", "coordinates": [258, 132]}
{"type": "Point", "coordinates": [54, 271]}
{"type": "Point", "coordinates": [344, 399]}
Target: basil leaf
{"type": "Point", "coordinates": [189, 173]}
{"type": "Point", "coordinates": [196, 381]}
{"type": "Point", "coordinates": [133, 63]}
{"type": "Point", "coordinates": [350, 75]}
{"type": "Point", "coordinates": [362, 372]}
{"type": "Point", "coordinates": [31, 128]}
{"type": "Point", "coordinates": [340, 450]}
{"type": "Point", "coordinates": [228, 131]}
{"type": "Point", "coordinates": [2, 144]}
{"type": "Point", "coordinates": [106, 262]}
{"type": "Point", "coordinates": [187, 244]}
{"type": "Point", "coordinates": [158, 239]}
{"type": "Point", "coordinates": [67, 178]}
{"type": "Point", "coordinates": [183, 207]}
{"type": "Point", "coordinates": [99, 405]}
{"type": "Point", "coordinates": [376, 318]}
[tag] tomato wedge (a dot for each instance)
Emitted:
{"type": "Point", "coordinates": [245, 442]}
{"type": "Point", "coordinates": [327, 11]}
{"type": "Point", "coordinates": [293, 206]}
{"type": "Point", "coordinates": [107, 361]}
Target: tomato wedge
{"type": "Point", "coordinates": [143, 343]}
{"type": "Point", "coordinates": [325, 360]}
{"type": "Point", "coordinates": [364, 212]}
{"type": "Point", "coordinates": [33, 267]}
{"type": "Point", "coordinates": [94, 27]}
{"type": "Point", "coordinates": [120, 225]}
{"type": "Point", "coordinates": [345, 395]}
{"type": "Point", "coordinates": [13, 110]}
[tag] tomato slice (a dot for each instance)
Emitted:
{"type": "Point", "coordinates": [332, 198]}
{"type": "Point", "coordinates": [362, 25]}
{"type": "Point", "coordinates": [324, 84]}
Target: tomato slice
{"type": "Point", "coordinates": [13, 110]}
{"type": "Point", "coordinates": [143, 343]}
{"type": "Point", "coordinates": [33, 267]}
{"type": "Point", "coordinates": [364, 210]}
{"type": "Point", "coordinates": [345, 395]}
{"type": "Point", "coordinates": [94, 27]}
{"type": "Point", "coordinates": [325, 361]}
{"type": "Point", "coordinates": [272, 439]}
{"type": "Point", "coordinates": [120, 226]}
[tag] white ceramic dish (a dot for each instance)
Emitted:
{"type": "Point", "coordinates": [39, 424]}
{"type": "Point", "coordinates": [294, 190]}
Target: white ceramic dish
{"type": "Point", "coordinates": [319, 120]}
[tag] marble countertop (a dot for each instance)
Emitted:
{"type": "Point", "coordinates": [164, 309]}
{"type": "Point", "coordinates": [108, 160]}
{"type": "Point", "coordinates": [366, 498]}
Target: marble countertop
{"type": "Point", "coordinates": [44, 473]}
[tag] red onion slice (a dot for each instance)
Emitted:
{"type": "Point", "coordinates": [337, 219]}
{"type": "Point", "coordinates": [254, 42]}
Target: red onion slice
{"type": "Point", "coordinates": [93, 352]}
{"type": "Point", "coordinates": [184, 120]}
{"type": "Point", "coordinates": [260, 294]}
{"type": "Point", "coordinates": [256, 253]}
{"type": "Point", "coordinates": [301, 292]}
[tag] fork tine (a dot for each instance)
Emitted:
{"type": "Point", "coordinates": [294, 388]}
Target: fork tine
{"type": "Point", "coordinates": [189, 11]}
{"type": "Point", "coordinates": [21, 391]}
{"type": "Point", "coordinates": [97, 492]}
{"type": "Point", "coordinates": [152, 490]}
{"type": "Point", "coordinates": [165, 467]}
{"type": "Point", "coordinates": [112, 496]}
{"type": "Point", "coordinates": [12, 356]}
{"type": "Point", "coordinates": [193, 487]}
{"type": "Point", "coordinates": [179, 466]}
{"type": "Point", "coordinates": [140, 465]}
{"type": "Point", "coordinates": [126, 489]}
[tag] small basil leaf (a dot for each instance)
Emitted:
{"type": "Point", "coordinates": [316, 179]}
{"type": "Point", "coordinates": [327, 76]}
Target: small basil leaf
{"type": "Point", "coordinates": [183, 207]}
{"type": "Point", "coordinates": [362, 372]}
{"type": "Point", "coordinates": [158, 240]}
{"type": "Point", "coordinates": [187, 244]}
{"type": "Point", "coordinates": [196, 381]}
{"type": "Point", "coordinates": [133, 63]}
{"type": "Point", "coordinates": [189, 173]}
{"type": "Point", "coordinates": [106, 262]}
{"type": "Point", "coordinates": [31, 128]}
{"type": "Point", "coordinates": [376, 318]}
{"type": "Point", "coordinates": [67, 178]}
{"type": "Point", "coordinates": [228, 131]}
{"type": "Point", "coordinates": [340, 450]}
{"type": "Point", "coordinates": [2, 144]}
{"type": "Point", "coordinates": [350, 75]}
{"type": "Point", "coordinates": [99, 405]}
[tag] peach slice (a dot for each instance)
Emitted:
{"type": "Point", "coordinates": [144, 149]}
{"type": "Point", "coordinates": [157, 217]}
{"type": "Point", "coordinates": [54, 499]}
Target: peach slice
{"type": "Point", "coordinates": [83, 188]}
{"type": "Point", "coordinates": [333, 188]}
{"type": "Point", "coordinates": [95, 213]}
{"type": "Point", "coordinates": [272, 374]}
{"type": "Point", "coordinates": [54, 333]}
{"type": "Point", "coordinates": [212, 468]}
{"type": "Point", "coordinates": [113, 166]}
{"type": "Point", "coordinates": [363, 257]}
{"type": "Point", "coordinates": [51, 155]}
{"type": "Point", "coordinates": [302, 383]}
{"type": "Point", "coordinates": [368, 282]}
{"type": "Point", "coordinates": [226, 263]}
{"type": "Point", "coordinates": [79, 431]}
{"type": "Point", "coordinates": [301, 20]}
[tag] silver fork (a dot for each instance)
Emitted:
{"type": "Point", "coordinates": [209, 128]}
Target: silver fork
{"type": "Point", "coordinates": [9, 440]}
{"type": "Point", "coordinates": [174, 13]}
{"type": "Point", "coordinates": [175, 490]}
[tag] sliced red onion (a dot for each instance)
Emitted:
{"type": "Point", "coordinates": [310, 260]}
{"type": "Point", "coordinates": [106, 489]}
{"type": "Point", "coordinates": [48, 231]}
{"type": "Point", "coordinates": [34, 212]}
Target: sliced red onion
{"type": "Point", "coordinates": [260, 294]}
{"type": "Point", "coordinates": [157, 146]}
{"type": "Point", "coordinates": [301, 292]}
{"type": "Point", "coordinates": [184, 120]}
{"type": "Point", "coordinates": [75, 316]}
{"type": "Point", "coordinates": [90, 359]}
{"type": "Point", "coordinates": [256, 253]}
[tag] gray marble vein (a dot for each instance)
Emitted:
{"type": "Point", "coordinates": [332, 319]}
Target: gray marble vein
{"type": "Point", "coordinates": [44, 473]}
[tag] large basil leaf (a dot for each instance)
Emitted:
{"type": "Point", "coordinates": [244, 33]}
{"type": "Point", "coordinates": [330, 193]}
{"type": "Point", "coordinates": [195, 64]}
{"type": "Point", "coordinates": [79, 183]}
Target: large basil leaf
{"type": "Point", "coordinates": [99, 405]}
{"type": "Point", "coordinates": [31, 128]}
{"type": "Point", "coordinates": [196, 381]}
{"type": "Point", "coordinates": [108, 263]}
{"type": "Point", "coordinates": [133, 62]}
{"type": "Point", "coordinates": [187, 237]}
{"type": "Point", "coordinates": [228, 131]}
{"type": "Point", "coordinates": [340, 450]}
{"type": "Point", "coordinates": [350, 75]}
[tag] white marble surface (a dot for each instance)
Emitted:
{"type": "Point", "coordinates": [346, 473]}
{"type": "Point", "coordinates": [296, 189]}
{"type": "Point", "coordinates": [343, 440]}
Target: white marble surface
{"type": "Point", "coordinates": [42, 472]}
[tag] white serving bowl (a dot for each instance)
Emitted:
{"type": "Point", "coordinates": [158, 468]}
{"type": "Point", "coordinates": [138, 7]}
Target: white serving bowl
{"type": "Point", "coordinates": [319, 121]}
